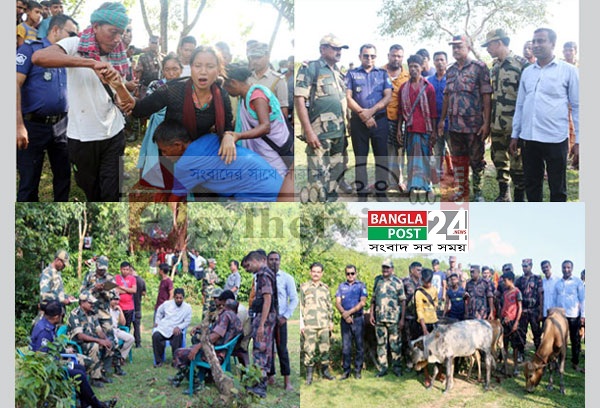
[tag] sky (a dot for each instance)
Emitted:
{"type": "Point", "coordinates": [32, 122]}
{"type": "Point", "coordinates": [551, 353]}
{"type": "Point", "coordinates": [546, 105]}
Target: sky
{"type": "Point", "coordinates": [357, 28]}
{"type": "Point", "coordinates": [222, 21]}
{"type": "Point", "coordinates": [500, 233]}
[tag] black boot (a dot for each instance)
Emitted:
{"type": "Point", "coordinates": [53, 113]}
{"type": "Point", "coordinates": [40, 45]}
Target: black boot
{"type": "Point", "coordinates": [504, 194]}
{"type": "Point", "coordinates": [309, 374]}
{"type": "Point", "coordinates": [325, 373]}
{"type": "Point", "coordinates": [519, 195]}
{"type": "Point", "coordinates": [260, 389]}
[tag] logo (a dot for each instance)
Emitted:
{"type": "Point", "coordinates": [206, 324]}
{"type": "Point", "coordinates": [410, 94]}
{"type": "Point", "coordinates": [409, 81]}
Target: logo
{"type": "Point", "coordinates": [21, 59]}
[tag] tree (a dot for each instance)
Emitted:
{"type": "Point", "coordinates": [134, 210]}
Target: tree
{"type": "Point", "coordinates": [285, 10]}
{"type": "Point", "coordinates": [440, 19]}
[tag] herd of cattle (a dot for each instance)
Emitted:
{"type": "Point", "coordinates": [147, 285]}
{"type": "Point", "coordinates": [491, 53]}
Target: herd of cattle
{"type": "Point", "coordinates": [469, 338]}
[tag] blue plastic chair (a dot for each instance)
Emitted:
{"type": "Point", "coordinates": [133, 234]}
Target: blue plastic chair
{"type": "Point", "coordinates": [168, 344]}
{"type": "Point", "coordinates": [63, 330]}
{"type": "Point", "coordinates": [198, 362]}
{"type": "Point", "coordinates": [126, 329]}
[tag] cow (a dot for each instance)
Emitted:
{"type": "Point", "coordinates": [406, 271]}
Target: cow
{"type": "Point", "coordinates": [461, 339]}
{"type": "Point", "coordinates": [553, 346]}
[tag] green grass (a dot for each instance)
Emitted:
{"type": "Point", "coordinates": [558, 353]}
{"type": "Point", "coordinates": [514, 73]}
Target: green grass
{"type": "Point", "coordinates": [146, 386]}
{"type": "Point", "coordinates": [408, 390]}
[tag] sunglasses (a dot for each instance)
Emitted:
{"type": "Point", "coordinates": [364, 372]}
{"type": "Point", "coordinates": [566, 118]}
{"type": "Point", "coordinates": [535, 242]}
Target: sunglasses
{"type": "Point", "coordinates": [371, 56]}
{"type": "Point", "coordinates": [350, 273]}
{"type": "Point", "coordinates": [335, 48]}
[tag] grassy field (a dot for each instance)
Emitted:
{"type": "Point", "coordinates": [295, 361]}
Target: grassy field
{"type": "Point", "coordinates": [408, 391]}
{"type": "Point", "coordinates": [147, 387]}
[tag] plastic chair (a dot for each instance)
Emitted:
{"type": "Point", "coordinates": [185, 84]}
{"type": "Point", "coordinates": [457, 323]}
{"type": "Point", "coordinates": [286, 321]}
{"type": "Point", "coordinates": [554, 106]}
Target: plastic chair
{"type": "Point", "coordinates": [126, 329]}
{"type": "Point", "coordinates": [168, 344]}
{"type": "Point", "coordinates": [198, 362]}
{"type": "Point", "coordinates": [63, 330]}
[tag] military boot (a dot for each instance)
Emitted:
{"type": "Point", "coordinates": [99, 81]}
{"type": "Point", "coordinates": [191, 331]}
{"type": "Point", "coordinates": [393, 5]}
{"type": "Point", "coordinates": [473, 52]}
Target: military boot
{"type": "Point", "coordinates": [519, 195]}
{"type": "Point", "coordinates": [326, 374]}
{"type": "Point", "coordinates": [309, 375]}
{"type": "Point", "coordinates": [260, 389]}
{"type": "Point", "coordinates": [504, 193]}
{"type": "Point", "coordinates": [477, 179]}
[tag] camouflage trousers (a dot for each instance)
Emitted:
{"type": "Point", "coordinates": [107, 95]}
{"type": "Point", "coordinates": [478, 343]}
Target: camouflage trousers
{"type": "Point", "coordinates": [467, 150]}
{"type": "Point", "coordinates": [387, 334]}
{"type": "Point", "coordinates": [98, 359]}
{"type": "Point", "coordinates": [107, 328]}
{"type": "Point", "coordinates": [316, 338]}
{"type": "Point", "coordinates": [325, 165]}
{"type": "Point", "coordinates": [262, 351]}
{"type": "Point", "coordinates": [507, 167]}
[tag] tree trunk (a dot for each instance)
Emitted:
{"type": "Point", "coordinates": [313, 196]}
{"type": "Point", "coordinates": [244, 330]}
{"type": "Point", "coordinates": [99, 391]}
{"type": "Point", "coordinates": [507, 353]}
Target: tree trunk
{"type": "Point", "coordinates": [164, 28]}
{"type": "Point", "coordinates": [224, 383]}
{"type": "Point", "coordinates": [275, 30]}
{"type": "Point", "coordinates": [81, 229]}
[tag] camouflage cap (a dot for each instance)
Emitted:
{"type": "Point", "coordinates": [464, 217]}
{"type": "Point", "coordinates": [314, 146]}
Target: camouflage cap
{"type": "Point", "coordinates": [217, 292]}
{"type": "Point", "coordinates": [388, 263]}
{"type": "Point", "coordinates": [461, 39]}
{"type": "Point", "coordinates": [527, 261]}
{"type": "Point", "coordinates": [332, 41]}
{"type": "Point", "coordinates": [63, 255]}
{"type": "Point", "coordinates": [257, 49]}
{"type": "Point", "coordinates": [87, 296]}
{"type": "Point", "coordinates": [102, 262]}
{"type": "Point", "coordinates": [497, 34]}
{"type": "Point", "coordinates": [452, 259]}
{"type": "Point", "coordinates": [212, 260]}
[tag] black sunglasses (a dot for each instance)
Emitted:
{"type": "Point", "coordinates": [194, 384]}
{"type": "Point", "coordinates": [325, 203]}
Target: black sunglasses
{"type": "Point", "coordinates": [371, 56]}
{"type": "Point", "coordinates": [71, 33]}
{"type": "Point", "coordinates": [350, 273]}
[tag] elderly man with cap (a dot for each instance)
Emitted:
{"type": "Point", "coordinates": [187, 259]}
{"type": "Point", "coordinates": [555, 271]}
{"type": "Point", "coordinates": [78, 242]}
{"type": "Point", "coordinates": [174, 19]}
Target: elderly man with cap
{"type": "Point", "coordinates": [262, 74]}
{"type": "Point", "coordinates": [85, 329]}
{"type": "Point", "coordinates": [388, 308]}
{"type": "Point", "coordinates": [51, 283]}
{"type": "Point", "coordinates": [467, 105]}
{"type": "Point", "coordinates": [505, 75]}
{"type": "Point", "coordinates": [101, 284]}
{"type": "Point", "coordinates": [320, 102]}
{"type": "Point", "coordinates": [532, 289]}
{"type": "Point", "coordinates": [95, 130]}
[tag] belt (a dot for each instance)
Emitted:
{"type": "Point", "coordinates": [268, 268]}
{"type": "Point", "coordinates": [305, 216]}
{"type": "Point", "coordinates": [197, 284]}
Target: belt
{"type": "Point", "coordinates": [46, 120]}
{"type": "Point", "coordinates": [379, 115]}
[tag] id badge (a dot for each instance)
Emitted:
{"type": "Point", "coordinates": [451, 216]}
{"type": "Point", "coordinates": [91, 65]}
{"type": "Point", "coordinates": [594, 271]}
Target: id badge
{"type": "Point", "coordinates": [60, 127]}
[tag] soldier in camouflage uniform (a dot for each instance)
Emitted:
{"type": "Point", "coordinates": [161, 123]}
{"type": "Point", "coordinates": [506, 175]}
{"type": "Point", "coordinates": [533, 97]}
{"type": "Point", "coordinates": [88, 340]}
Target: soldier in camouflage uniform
{"type": "Point", "coordinates": [532, 289]}
{"type": "Point", "coordinates": [94, 283]}
{"type": "Point", "coordinates": [388, 307]}
{"type": "Point", "coordinates": [505, 76]}
{"type": "Point", "coordinates": [264, 311]}
{"type": "Point", "coordinates": [320, 100]}
{"type": "Point", "coordinates": [208, 286]}
{"type": "Point", "coordinates": [467, 104]}
{"type": "Point", "coordinates": [316, 321]}
{"type": "Point", "coordinates": [410, 329]}
{"type": "Point", "coordinates": [51, 284]}
{"type": "Point", "coordinates": [84, 328]}
{"type": "Point", "coordinates": [479, 296]}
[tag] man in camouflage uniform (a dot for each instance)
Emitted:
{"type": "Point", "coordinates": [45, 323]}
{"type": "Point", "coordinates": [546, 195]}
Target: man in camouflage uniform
{"type": "Point", "coordinates": [505, 75]}
{"type": "Point", "coordinates": [532, 289]}
{"type": "Point", "coordinates": [84, 328]}
{"type": "Point", "coordinates": [411, 327]}
{"type": "Point", "coordinates": [264, 311]}
{"type": "Point", "coordinates": [479, 296]}
{"type": "Point", "coordinates": [320, 101]}
{"type": "Point", "coordinates": [388, 308]}
{"type": "Point", "coordinates": [51, 284]}
{"type": "Point", "coordinates": [208, 286]}
{"type": "Point", "coordinates": [94, 283]}
{"type": "Point", "coordinates": [316, 321]}
{"type": "Point", "coordinates": [467, 104]}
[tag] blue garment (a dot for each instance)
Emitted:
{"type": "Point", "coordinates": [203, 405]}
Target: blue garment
{"type": "Point", "coordinates": [367, 87]}
{"type": "Point", "coordinates": [542, 110]}
{"type": "Point", "coordinates": [248, 178]}
{"type": "Point", "coordinates": [570, 295]}
{"type": "Point", "coordinates": [457, 302]}
{"type": "Point", "coordinates": [287, 296]}
{"type": "Point", "coordinates": [351, 295]}
{"type": "Point", "coordinates": [42, 29]}
{"type": "Point", "coordinates": [438, 280]}
{"type": "Point", "coordinates": [42, 334]}
{"type": "Point", "coordinates": [45, 89]}
{"type": "Point", "coordinates": [418, 166]}
{"type": "Point", "coordinates": [439, 85]}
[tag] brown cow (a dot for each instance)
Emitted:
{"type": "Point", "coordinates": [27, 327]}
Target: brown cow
{"type": "Point", "coordinates": [553, 346]}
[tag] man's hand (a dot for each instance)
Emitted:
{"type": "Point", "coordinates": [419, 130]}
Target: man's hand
{"type": "Point", "coordinates": [105, 343]}
{"type": "Point", "coordinates": [401, 324]}
{"type": "Point", "coordinates": [194, 351]}
{"type": "Point", "coordinates": [371, 123]}
{"type": "Point", "coordinates": [312, 139]}
{"type": "Point", "coordinates": [372, 319]}
{"type": "Point", "coordinates": [132, 85]}
{"type": "Point", "coordinates": [260, 332]}
{"type": "Point", "coordinates": [349, 320]}
{"type": "Point", "coordinates": [575, 154]}
{"type": "Point", "coordinates": [365, 114]}
{"type": "Point", "coordinates": [345, 314]}
{"type": "Point", "coordinates": [102, 69]}
{"type": "Point", "coordinates": [513, 146]}
{"type": "Point", "coordinates": [176, 331]}
{"type": "Point", "coordinates": [22, 137]}
{"type": "Point", "coordinates": [484, 131]}
{"type": "Point", "coordinates": [282, 320]}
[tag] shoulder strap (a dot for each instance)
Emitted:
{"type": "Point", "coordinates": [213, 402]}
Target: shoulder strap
{"type": "Point", "coordinates": [274, 84]}
{"type": "Point", "coordinates": [412, 109]}
{"type": "Point", "coordinates": [427, 295]}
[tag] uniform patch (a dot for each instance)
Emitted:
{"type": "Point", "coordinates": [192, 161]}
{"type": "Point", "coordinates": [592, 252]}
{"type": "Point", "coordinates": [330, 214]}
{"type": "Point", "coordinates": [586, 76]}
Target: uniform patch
{"type": "Point", "coordinates": [21, 58]}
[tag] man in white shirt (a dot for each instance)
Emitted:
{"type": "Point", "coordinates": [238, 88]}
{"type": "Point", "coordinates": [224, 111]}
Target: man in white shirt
{"type": "Point", "coordinates": [234, 280]}
{"type": "Point", "coordinates": [549, 281]}
{"type": "Point", "coordinates": [186, 47]}
{"type": "Point", "coordinates": [118, 319]}
{"type": "Point", "coordinates": [172, 317]}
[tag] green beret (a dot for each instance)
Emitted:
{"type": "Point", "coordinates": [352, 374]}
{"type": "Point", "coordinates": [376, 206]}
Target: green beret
{"type": "Point", "coordinates": [111, 13]}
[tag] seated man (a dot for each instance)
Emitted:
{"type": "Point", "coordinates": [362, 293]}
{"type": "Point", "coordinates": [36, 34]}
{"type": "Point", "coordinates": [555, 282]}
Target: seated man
{"type": "Point", "coordinates": [171, 318]}
{"type": "Point", "coordinates": [44, 333]}
{"type": "Point", "coordinates": [84, 328]}
{"type": "Point", "coordinates": [198, 167]}
{"type": "Point", "coordinates": [118, 319]}
{"type": "Point", "coordinates": [226, 326]}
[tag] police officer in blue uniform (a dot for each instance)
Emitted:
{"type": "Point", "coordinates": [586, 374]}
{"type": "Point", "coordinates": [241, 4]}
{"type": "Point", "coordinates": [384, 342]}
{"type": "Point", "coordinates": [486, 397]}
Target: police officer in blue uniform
{"type": "Point", "coordinates": [42, 116]}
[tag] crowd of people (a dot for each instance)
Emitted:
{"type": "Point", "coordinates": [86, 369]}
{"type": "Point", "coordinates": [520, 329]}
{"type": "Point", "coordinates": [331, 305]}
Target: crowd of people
{"type": "Point", "coordinates": [109, 304]}
{"type": "Point", "coordinates": [418, 118]}
{"type": "Point", "coordinates": [81, 90]}
{"type": "Point", "coordinates": [404, 308]}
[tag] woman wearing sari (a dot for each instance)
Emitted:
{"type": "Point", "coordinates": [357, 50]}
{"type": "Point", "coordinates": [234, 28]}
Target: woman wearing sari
{"type": "Point", "coordinates": [418, 113]}
{"type": "Point", "coordinates": [261, 125]}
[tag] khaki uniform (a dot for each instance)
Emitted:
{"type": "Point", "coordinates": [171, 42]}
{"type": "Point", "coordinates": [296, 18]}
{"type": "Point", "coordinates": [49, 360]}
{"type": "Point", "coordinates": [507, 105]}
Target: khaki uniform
{"type": "Point", "coordinates": [316, 315]}
{"type": "Point", "coordinates": [102, 305]}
